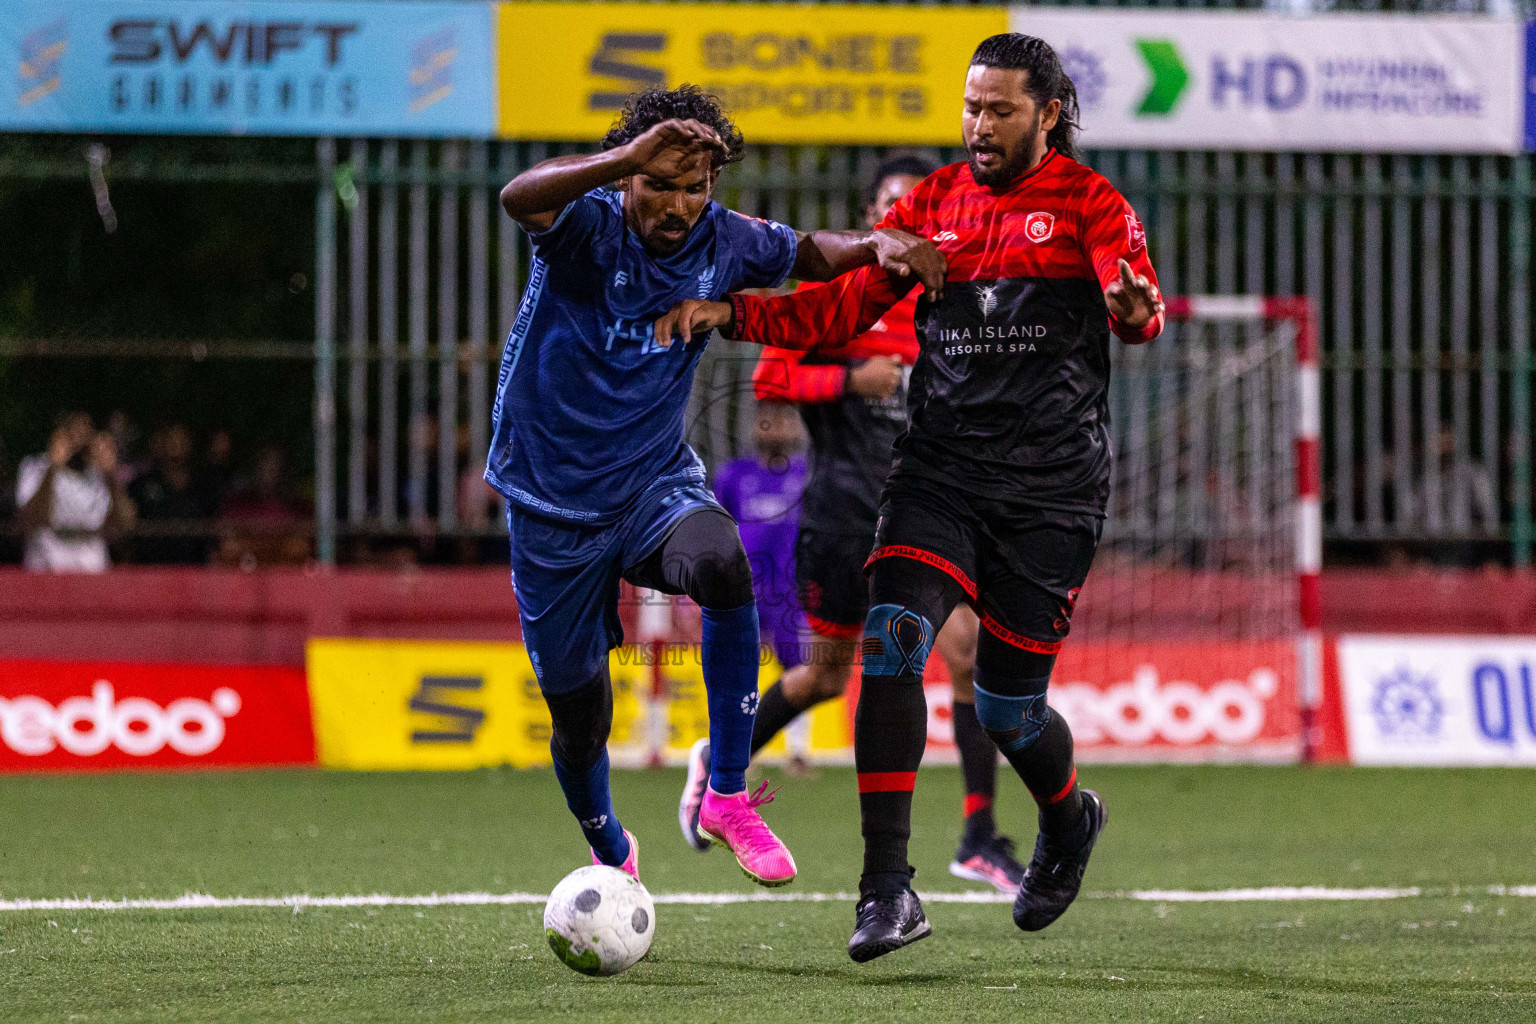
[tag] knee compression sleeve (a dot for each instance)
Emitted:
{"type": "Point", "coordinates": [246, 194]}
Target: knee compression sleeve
{"type": "Point", "coordinates": [705, 560]}
{"type": "Point", "coordinates": [1014, 722]}
{"type": "Point", "coordinates": [580, 720]}
{"type": "Point", "coordinates": [897, 641]}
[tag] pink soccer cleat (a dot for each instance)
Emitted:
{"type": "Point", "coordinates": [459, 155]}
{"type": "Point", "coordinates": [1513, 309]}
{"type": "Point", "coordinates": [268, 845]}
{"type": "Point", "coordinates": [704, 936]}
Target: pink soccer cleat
{"type": "Point", "coordinates": [733, 822]}
{"type": "Point", "coordinates": [693, 795]}
{"type": "Point", "coordinates": [631, 865]}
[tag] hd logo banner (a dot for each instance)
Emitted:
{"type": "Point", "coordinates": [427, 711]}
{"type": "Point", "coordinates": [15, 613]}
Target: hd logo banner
{"type": "Point", "coordinates": [817, 73]}
{"type": "Point", "coordinates": [264, 68]}
{"type": "Point", "coordinates": [1347, 82]}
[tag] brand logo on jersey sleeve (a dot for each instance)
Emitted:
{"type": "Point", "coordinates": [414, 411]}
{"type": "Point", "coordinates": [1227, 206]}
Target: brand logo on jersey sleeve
{"type": "Point", "coordinates": [945, 236]}
{"type": "Point", "coordinates": [1137, 233]}
{"type": "Point", "coordinates": [1039, 226]}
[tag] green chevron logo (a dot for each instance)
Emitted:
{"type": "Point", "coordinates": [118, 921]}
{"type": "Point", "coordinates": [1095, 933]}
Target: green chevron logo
{"type": "Point", "coordinates": [1169, 77]}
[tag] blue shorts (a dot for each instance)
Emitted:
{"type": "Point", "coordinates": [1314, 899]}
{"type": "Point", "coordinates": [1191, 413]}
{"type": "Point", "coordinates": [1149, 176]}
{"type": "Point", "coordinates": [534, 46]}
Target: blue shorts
{"type": "Point", "coordinates": [566, 578]}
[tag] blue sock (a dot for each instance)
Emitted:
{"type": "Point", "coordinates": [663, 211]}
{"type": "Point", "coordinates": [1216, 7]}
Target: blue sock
{"type": "Point", "coordinates": [731, 657]}
{"type": "Point", "coordinates": [586, 794]}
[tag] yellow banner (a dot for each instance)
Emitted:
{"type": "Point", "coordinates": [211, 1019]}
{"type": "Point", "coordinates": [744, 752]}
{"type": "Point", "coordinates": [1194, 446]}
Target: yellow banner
{"type": "Point", "coordinates": [393, 705]}
{"type": "Point", "coordinates": [838, 74]}
{"type": "Point", "coordinates": [401, 704]}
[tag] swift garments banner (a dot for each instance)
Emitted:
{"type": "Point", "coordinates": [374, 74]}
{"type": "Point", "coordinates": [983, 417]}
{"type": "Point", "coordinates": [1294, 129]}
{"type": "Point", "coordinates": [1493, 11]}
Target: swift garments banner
{"type": "Point", "coordinates": [1229, 80]}
{"type": "Point", "coordinates": [261, 68]}
{"type": "Point", "coordinates": [74, 716]}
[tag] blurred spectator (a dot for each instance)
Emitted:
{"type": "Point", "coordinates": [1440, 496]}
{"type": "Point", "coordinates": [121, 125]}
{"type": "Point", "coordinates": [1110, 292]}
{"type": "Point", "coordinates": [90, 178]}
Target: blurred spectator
{"type": "Point", "coordinates": [263, 525]}
{"type": "Point", "coordinates": [216, 476]}
{"type": "Point", "coordinates": [1464, 499]}
{"type": "Point", "coordinates": [69, 499]}
{"type": "Point", "coordinates": [763, 495]}
{"type": "Point", "coordinates": [131, 460]}
{"type": "Point", "coordinates": [167, 493]}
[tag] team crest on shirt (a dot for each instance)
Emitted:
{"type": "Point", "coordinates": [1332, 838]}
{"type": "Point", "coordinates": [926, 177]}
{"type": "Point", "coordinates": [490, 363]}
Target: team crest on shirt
{"type": "Point", "coordinates": [1138, 234]}
{"type": "Point", "coordinates": [1039, 226]}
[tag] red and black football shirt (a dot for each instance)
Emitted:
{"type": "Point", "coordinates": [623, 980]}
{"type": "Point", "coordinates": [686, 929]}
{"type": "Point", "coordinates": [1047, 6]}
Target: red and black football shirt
{"type": "Point", "coordinates": [851, 435]}
{"type": "Point", "coordinates": [1009, 395]}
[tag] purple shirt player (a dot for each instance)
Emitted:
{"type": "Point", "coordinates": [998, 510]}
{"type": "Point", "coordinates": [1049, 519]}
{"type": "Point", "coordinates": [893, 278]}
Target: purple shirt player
{"type": "Point", "coordinates": [763, 496]}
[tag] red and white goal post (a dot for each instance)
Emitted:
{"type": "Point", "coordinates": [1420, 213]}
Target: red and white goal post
{"type": "Point", "coordinates": [1197, 633]}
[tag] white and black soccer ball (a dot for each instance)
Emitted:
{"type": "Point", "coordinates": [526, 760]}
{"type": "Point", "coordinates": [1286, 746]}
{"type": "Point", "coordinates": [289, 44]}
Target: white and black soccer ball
{"type": "Point", "coordinates": [599, 920]}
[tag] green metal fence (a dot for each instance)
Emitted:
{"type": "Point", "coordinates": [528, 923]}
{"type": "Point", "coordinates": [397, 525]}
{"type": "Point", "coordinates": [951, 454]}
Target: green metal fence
{"type": "Point", "coordinates": [1420, 266]}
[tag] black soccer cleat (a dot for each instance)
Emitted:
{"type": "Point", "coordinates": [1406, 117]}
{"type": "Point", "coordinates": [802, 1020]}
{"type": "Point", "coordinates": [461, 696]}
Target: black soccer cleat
{"type": "Point", "coordinates": [886, 921]}
{"type": "Point", "coordinates": [1055, 875]}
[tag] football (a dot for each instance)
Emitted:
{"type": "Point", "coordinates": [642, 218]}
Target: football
{"type": "Point", "coordinates": [599, 920]}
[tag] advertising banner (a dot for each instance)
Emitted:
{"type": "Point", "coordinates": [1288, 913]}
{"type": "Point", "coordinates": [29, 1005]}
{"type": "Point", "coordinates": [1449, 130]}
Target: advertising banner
{"type": "Point", "coordinates": [403, 704]}
{"type": "Point", "coordinates": [1530, 86]}
{"type": "Point", "coordinates": [1250, 81]}
{"type": "Point", "coordinates": [842, 74]}
{"type": "Point", "coordinates": [74, 716]}
{"type": "Point", "coordinates": [1417, 700]}
{"type": "Point", "coordinates": [1206, 701]}
{"type": "Point", "coordinates": [271, 67]}
{"type": "Point", "coordinates": [400, 704]}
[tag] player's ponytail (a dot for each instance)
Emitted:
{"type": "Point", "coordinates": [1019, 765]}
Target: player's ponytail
{"type": "Point", "coordinates": [1046, 80]}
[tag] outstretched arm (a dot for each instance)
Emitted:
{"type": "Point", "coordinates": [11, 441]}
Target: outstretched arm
{"type": "Point", "coordinates": [535, 198]}
{"type": "Point", "coordinates": [826, 255]}
{"type": "Point", "coordinates": [840, 312]}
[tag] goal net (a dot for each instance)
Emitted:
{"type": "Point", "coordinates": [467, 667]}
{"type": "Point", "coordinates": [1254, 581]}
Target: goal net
{"type": "Point", "coordinates": [1190, 640]}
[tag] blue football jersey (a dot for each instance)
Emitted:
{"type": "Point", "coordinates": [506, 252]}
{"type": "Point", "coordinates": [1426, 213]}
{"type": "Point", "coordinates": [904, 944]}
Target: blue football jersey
{"type": "Point", "coordinates": [589, 407]}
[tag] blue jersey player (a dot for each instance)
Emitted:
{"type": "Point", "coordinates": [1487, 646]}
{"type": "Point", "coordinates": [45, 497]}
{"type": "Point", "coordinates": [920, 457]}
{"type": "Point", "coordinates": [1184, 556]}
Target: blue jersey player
{"type": "Point", "coordinates": [588, 439]}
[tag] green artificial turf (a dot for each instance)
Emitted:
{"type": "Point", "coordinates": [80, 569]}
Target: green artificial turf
{"type": "Point", "coordinates": [1457, 952]}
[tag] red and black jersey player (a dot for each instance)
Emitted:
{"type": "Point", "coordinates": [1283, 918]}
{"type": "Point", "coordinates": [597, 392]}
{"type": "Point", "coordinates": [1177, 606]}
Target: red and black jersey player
{"type": "Point", "coordinates": [998, 488]}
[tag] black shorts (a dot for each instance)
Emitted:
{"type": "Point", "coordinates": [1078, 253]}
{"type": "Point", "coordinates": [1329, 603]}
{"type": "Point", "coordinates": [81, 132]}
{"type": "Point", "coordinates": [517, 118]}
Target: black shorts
{"type": "Point", "coordinates": [829, 575]}
{"type": "Point", "coordinates": [1022, 567]}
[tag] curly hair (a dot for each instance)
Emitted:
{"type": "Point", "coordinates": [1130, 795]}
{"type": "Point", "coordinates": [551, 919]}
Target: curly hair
{"type": "Point", "coordinates": [645, 110]}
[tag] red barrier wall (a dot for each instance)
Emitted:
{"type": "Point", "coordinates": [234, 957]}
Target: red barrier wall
{"type": "Point", "coordinates": [263, 618]}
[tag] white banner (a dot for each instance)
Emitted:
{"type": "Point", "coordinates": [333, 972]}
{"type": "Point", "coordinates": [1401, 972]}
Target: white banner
{"type": "Point", "coordinates": [1439, 700]}
{"type": "Point", "coordinates": [1353, 82]}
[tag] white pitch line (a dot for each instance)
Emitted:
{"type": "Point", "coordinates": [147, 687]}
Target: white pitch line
{"type": "Point", "coordinates": [1268, 894]}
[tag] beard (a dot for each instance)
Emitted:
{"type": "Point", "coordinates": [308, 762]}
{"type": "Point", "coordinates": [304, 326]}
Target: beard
{"type": "Point", "coordinates": [1014, 164]}
{"type": "Point", "coordinates": [662, 245]}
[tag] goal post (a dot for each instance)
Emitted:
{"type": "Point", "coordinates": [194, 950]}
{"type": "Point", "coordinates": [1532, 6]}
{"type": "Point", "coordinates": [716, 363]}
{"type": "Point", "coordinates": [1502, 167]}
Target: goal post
{"type": "Point", "coordinates": [1198, 632]}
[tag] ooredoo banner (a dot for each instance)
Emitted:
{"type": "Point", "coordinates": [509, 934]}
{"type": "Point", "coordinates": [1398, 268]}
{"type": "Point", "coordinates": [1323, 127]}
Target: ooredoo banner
{"type": "Point", "coordinates": [1208, 701]}
{"type": "Point", "coordinates": [268, 67]}
{"type": "Point", "coordinates": [1417, 700]}
{"type": "Point", "coordinates": [80, 716]}
{"type": "Point", "coordinates": [1259, 81]}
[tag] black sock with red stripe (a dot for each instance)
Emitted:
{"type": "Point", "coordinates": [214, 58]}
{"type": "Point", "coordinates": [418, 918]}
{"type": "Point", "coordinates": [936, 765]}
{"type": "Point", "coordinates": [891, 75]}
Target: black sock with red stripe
{"type": "Point", "coordinates": [889, 734]}
{"type": "Point", "coordinates": [1048, 771]}
{"type": "Point", "coordinates": [774, 712]}
{"type": "Point", "coordinates": [908, 600]}
{"type": "Point", "coordinates": [978, 767]}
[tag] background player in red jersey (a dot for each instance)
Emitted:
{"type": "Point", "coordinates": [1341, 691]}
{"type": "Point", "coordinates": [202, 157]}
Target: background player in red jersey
{"type": "Point", "coordinates": [853, 399]}
{"type": "Point", "coordinates": [999, 487]}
